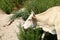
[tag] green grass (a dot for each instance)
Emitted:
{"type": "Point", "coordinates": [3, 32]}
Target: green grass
{"type": "Point", "coordinates": [39, 6]}
{"type": "Point", "coordinates": [8, 5]}
{"type": "Point", "coordinates": [19, 13]}
{"type": "Point", "coordinates": [30, 34]}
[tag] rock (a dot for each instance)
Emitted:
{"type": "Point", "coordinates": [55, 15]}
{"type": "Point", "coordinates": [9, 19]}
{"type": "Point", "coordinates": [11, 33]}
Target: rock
{"type": "Point", "coordinates": [9, 32]}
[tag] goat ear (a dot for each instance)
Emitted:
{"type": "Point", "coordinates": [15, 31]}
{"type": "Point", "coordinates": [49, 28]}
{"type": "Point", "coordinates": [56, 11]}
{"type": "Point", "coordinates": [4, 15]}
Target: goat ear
{"type": "Point", "coordinates": [32, 13]}
{"type": "Point", "coordinates": [33, 17]}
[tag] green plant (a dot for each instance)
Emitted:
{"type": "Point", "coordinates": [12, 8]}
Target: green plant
{"type": "Point", "coordinates": [39, 5]}
{"type": "Point", "coordinates": [8, 5]}
{"type": "Point", "coordinates": [29, 34]}
{"type": "Point", "coordinates": [20, 13]}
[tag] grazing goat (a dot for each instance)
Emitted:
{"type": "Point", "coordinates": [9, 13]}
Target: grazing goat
{"type": "Point", "coordinates": [49, 21]}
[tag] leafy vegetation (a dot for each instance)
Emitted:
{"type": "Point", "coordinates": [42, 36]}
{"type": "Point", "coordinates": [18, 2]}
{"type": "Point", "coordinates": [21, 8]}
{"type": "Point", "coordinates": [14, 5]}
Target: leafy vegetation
{"type": "Point", "coordinates": [30, 34]}
{"type": "Point", "coordinates": [20, 13]}
{"type": "Point", "coordinates": [36, 5]}
{"type": "Point", "coordinates": [8, 5]}
{"type": "Point", "coordinates": [39, 6]}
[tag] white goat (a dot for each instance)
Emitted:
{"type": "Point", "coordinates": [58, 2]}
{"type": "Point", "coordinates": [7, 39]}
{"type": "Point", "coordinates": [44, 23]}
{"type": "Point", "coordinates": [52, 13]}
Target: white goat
{"type": "Point", "coordinates": [48, 20]}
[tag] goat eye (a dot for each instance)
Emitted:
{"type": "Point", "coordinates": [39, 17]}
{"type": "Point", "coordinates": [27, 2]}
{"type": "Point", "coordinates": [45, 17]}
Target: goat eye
{"type": "Point", "coordinates": [29, 20]}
